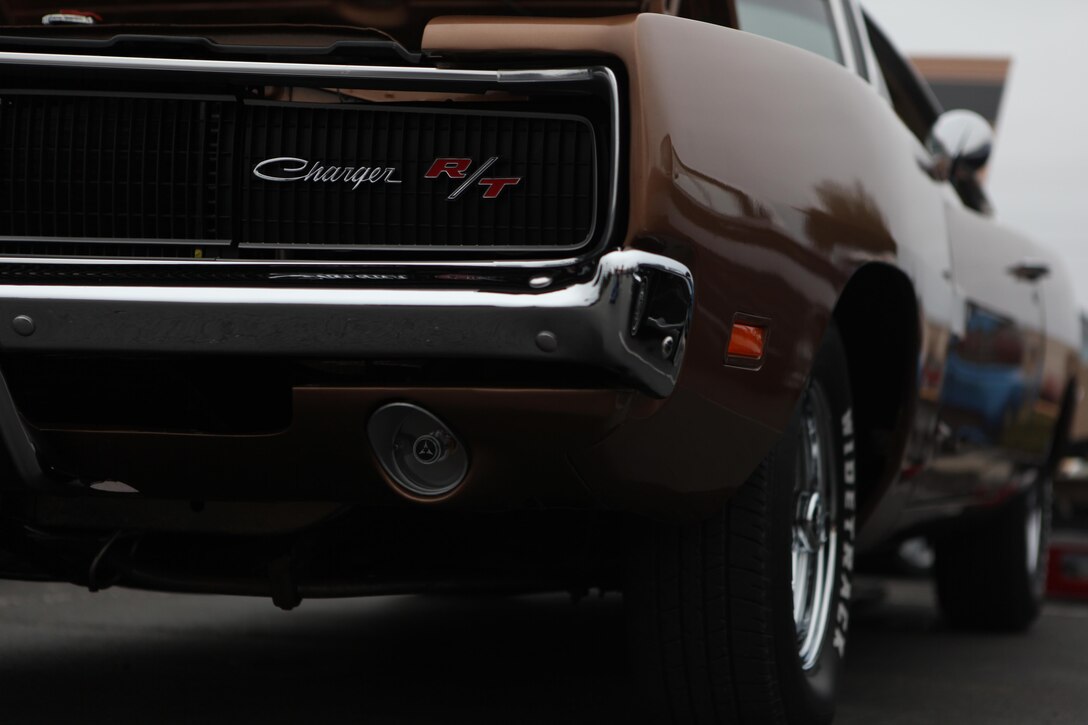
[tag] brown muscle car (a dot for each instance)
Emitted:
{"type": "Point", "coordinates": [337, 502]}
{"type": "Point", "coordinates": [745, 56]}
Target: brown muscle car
{"type": "Point", "coordinates": [697, 300]}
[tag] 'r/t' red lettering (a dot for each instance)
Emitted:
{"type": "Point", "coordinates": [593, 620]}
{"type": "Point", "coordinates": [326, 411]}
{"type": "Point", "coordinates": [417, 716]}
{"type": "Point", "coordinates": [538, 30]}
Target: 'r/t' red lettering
{"type": "Point", "coordinates": [494, 186]}
{"type": "Point", "coordinates": [453, 168]}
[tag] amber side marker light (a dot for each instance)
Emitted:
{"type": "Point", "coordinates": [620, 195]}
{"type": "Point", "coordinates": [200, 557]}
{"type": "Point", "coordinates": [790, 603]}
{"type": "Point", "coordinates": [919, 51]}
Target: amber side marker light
{"type": "Point", "coordinates": [747, 341]}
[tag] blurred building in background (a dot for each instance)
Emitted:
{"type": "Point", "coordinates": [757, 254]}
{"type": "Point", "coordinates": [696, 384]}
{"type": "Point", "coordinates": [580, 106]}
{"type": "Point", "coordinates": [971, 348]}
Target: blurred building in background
{"type": "Point", "coordinates": [977, 84]}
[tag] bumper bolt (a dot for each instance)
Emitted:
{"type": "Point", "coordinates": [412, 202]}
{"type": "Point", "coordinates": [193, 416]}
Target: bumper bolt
{"type": "Point", "coordinates": [547, 341]}
{"type": "Point", "coordinates": [668, 345]}
{"type": "Point", "coordinates": [23, 325]}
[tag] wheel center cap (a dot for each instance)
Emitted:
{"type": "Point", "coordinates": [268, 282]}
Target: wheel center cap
{"type": "Point", "coordinates": [811, 524]}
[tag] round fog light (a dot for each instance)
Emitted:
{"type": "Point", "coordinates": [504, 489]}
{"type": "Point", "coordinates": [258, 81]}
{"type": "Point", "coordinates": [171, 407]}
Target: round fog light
{"type": "Point", "coordinates": [418, 451]}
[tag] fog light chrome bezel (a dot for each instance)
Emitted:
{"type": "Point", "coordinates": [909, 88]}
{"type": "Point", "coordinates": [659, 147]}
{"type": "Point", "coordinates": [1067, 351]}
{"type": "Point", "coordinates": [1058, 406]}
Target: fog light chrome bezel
{"type": "Point", "coordinates": [394, 430]}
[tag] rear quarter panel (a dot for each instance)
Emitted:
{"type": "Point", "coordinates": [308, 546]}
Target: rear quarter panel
{"type": "Point", "coordinates": [774, 175]}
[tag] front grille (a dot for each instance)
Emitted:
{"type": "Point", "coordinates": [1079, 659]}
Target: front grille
{"type": "Point", "coordinates": [115, 170]}
{"type": "Point", "coordinates": [174, 176]}
{"type": "Point", "coordinates": [552, 204]}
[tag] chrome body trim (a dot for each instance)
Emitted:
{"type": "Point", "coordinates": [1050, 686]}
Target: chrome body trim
{"type": "Point", "coordinates": [590, 320]}
{"type": "Point", "coordinates": [114, 240]}
{"type": "Point", "coordinates": [613, 189]}
{"type": "Point", "coordinates": [490, 264]}
{"type": "Point", "coordinates": [876, 76]}
{"type": "Point", "coordinates": [846, 46]}
{"type": "Point", "coordinates": [294, 70]}
{"type": "Point", "coordinates": [342, 74]}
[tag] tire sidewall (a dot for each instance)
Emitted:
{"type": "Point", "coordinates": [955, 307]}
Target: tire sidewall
{"type": "Point", "coordinates": [1040, 496]}
{"type": "Point", "coordinates": [809, 695]}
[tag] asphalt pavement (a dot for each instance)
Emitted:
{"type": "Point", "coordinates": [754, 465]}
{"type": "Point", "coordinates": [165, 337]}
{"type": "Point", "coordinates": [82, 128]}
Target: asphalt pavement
{"type": "Point", "coordinates": [118, 657]}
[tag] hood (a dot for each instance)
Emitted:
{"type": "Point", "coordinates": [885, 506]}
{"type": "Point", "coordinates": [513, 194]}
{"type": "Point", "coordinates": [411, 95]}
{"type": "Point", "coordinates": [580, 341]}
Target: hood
{"type": "Point", "coordinates": [404, 20]}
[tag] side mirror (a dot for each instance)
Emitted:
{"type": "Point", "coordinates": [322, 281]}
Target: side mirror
{"type": "Point", "coordinates": [961, 142]}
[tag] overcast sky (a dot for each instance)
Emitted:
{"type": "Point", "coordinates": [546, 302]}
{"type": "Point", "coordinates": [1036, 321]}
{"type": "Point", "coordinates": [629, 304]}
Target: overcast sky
{"type": "Point", "coordinates": [1038, 177]}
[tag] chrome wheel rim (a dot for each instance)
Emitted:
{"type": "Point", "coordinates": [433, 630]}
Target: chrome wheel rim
{"type": "Point", "coordinates": [1033, 533]}
{"type": "Point", "coordinates": [815, 533]}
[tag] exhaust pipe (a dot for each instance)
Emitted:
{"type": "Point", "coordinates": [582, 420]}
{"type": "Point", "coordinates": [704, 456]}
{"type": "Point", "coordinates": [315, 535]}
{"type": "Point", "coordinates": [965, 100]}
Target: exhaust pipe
{"type": "Point", "coordinates": [419, 452]}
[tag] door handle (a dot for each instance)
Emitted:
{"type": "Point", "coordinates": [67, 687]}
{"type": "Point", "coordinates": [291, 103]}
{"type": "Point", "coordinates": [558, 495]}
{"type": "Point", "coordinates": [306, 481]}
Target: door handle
{"type": "Point", "coordinates": [1030, 270]}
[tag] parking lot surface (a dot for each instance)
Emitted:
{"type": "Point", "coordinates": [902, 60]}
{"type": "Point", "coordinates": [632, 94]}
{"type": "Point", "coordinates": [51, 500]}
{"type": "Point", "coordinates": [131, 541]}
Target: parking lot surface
{"type": "Point", "coordinates": [136, 657]}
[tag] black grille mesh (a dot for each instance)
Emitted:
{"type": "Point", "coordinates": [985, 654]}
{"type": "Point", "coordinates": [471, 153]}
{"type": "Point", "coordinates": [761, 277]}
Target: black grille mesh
{"type": "Point", "coordinates": [125, 169]}
{"type": "Point", "coordinates": [141, 176]}
{"type": "Point", "coordinates": [552, 204]}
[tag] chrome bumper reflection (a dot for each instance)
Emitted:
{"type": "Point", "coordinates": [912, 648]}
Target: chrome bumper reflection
{"type": "Point", "coordinates": [631, 318]}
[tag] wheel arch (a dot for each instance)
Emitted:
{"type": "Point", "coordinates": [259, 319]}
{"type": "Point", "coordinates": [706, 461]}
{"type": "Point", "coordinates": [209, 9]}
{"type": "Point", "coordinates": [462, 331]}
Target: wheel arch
{"type": "Point", "coordinates": [879, 320]}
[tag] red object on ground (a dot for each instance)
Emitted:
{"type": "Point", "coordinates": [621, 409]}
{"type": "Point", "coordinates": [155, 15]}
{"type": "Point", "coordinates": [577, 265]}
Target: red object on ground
{"type": "Point", "coordinates": [1067, 574]}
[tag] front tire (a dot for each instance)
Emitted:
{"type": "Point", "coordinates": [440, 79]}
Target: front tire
{"type": "Point", "coordinates": [743, 618]}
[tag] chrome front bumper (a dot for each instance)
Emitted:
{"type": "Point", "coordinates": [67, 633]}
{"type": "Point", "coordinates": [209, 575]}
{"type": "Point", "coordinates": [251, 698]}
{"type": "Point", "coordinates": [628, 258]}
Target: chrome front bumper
{"type": "Point", "coordinates": [630, 318]}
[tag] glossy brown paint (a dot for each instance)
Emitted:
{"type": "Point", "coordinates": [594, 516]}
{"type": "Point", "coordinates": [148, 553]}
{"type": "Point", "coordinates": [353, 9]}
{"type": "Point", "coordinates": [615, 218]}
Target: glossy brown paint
{"type": "Point", "coordinates": [776, 175]}
{"type": "Point", "coordinates": [404, 19]}
{"type": "Point", "coordinates": [518, 443]}
{"type": "Point", "coordinates": [773, 223]}
{"type": "Point", "coordinates": [1026, 335]}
